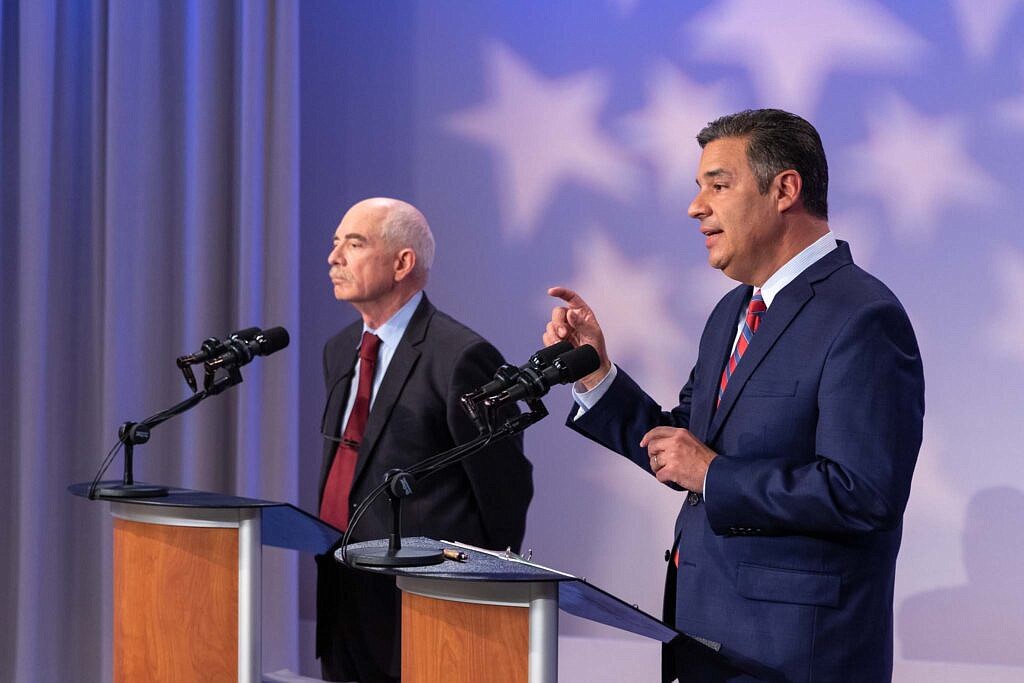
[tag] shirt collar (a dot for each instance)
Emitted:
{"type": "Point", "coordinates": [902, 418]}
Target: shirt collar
{"type": "Point", "coordinates": [391, 332]}
{"type": "Point", "coordinates": [796, 265]}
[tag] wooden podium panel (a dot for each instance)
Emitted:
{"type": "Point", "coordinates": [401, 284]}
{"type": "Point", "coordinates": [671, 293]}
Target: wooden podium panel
{"type": "Point", "coordinates": [175, 603]}
{"type": "Point", "coordinates": [461, 642]}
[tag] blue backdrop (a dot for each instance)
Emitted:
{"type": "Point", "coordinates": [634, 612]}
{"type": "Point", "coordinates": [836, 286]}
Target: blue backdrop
{"type": "Point", "coordinates": [173, 170]}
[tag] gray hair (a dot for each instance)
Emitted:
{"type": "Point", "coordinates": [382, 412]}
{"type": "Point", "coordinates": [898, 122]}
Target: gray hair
{"type": "Point", "coordinates": [405, 227]}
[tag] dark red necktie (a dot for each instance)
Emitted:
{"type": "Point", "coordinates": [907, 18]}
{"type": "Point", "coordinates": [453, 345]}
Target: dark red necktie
{"type": "Point", "coordinates": [755, 310]}
{"type": "Point", "coordinates": [334, 505]}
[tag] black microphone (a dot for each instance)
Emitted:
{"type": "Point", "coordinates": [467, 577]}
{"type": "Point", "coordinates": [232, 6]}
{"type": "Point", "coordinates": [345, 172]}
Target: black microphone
{"type": "Point", "coordinates": [213, 347]}
{"type": "Point", "coordinates": [506, 375]}
{"type": "Point", "coordinates": [240, 351]}
{"type": "Point", "coordinates": [530, 383]}
{"type": "Point", "coordinates": [545, 356]}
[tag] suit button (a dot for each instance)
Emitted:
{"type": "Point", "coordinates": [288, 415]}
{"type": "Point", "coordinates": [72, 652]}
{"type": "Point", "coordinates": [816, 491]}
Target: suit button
{"type": "Point", "coordinates": [692, 498]}
{"type": "Point", "coordinates": [668, 555]}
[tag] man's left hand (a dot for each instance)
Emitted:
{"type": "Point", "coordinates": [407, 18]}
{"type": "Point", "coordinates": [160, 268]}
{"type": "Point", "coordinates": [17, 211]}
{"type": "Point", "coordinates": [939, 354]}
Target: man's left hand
{"type": "Point", "coordinates": [678, 456]}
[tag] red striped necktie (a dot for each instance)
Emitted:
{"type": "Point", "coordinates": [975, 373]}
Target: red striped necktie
{"type": "Point", "coordinates": [755, 311]}
{"type": "Point", "coordinates": [334, 504]}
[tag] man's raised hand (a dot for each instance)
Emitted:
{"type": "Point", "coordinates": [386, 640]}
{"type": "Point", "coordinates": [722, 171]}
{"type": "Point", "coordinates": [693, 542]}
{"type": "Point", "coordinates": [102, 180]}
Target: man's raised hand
{"type": "Point", "coordinates": [576, 323]}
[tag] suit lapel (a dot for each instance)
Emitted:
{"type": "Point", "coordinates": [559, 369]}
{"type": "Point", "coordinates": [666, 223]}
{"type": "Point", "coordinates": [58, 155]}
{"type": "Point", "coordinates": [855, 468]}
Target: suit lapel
{"type": "Point", "coordinates": [787, 304]}
{"type": "Point", "coordinates": [722, 332]}
{"type": "Point", "coordinates": [398, 372]}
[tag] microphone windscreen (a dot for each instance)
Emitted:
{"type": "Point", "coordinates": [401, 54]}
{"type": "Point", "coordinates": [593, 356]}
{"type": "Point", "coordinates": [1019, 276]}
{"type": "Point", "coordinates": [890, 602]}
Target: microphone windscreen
{"type": "Point", "coordinates": [543, 358]}
{"type": "Point", "coordinates": [274, 339]}
{"type": "Point", "coordinates": [578, 363]}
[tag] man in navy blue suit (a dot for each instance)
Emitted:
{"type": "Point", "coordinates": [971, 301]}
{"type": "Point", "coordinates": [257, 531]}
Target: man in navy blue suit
{"type": "Point", "coordinates": [796, 434]}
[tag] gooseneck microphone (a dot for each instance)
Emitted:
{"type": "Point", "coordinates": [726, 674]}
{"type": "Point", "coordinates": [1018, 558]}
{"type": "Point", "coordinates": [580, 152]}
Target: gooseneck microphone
{"type": "Point", "coordinates": [532, 383]}
{"type": "Point", "coordinates": [211, 348]}
{"type": "Point", "coordinates": [239, 351]}
{"type": "Point", "coordinates": [506, 375]}
{"type": "Point", "coordinates": [557, 364]}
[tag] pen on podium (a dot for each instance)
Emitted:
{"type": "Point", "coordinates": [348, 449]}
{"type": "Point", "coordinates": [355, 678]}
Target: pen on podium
{"type": "Point", "coordinates": [455, 555]}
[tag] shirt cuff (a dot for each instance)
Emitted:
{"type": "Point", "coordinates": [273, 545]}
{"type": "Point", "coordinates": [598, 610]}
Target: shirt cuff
{"type": "Point", "coordinates": [585, 400]}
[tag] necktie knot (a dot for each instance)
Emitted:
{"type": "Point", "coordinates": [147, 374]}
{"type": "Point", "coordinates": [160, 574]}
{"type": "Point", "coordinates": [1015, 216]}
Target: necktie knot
{"type": "Point", "coordinates": [368, 347]}
{"type": "Point", "coordinates": [757, 305]}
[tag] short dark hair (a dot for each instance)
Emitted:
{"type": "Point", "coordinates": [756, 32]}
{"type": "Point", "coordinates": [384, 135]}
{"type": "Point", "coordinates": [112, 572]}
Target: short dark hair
{"type": "Point", "coordinates": [778, 141]}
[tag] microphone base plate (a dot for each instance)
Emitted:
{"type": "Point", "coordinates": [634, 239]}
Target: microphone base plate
{"type": "Point", "coordinates": [131, 491]}
{"type": "Point", "coordinates": [403, 557]}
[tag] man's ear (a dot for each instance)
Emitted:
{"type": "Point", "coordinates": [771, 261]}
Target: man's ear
{"type": "Point", "coordinates": [787, 186]}
{"type": "Point", "coordinates": [405, 262]}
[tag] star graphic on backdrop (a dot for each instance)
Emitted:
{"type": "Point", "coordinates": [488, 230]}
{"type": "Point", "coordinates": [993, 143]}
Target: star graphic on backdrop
{"type": "Point", "coordinates": [791, 47]}
{"type": "Point", "coordinates": [1007, 328]}
{"type": "Point", "coordinates": [543, 132]}
{"type": "Point", "coordinates": [665, 130]}
{"type": "Point", "coordinates": [916, 165]}
{"type": "Point", "coordinates": [935, 495]}
{"type": "Point", "coordinates": [857, 228]}
{"type": "Point", "coordinates": [982, 24]}
{"type": "Point", "coordinates": [1011, 111]}
{"type": "Point", "coordinates": [623, 7]}
{"type": "Point", "coordinates": [701, 287]}
{"type": "Point", "coordinates": [632, 300]}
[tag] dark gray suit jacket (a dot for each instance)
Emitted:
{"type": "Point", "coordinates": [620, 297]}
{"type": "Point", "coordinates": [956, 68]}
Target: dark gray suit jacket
{"type": "Point", "coordinates": [416, 414]}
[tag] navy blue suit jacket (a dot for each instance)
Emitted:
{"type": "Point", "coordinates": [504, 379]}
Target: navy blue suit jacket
{"type": "Point", "coordinates": [790, 560]}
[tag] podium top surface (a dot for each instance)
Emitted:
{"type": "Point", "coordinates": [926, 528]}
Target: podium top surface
{"type": "Point", "coordinates": [177, 497]}
{"type": "Point", "coordinates": [282, 525]}
{"type": "Point", "coordinates": [575, 595]}
{"type": "Point", "coordinates": [480, 565]}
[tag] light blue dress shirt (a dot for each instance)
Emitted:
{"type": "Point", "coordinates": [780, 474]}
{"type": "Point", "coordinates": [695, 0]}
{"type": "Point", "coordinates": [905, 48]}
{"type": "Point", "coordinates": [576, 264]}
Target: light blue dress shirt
{"type": "Point", "coordinates": [390, 333]}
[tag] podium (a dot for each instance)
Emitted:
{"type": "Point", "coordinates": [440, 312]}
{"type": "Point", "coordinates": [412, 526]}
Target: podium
{"type": "Point", "coordinates": [494, 617]}
{"type": "Point", "coordinates": [187, 581]}
{"type": "Point", "coordinates": [187, 596]}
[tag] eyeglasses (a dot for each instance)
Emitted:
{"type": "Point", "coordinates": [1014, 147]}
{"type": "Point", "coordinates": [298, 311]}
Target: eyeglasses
{"type": "Point", "coordinates": [331, 431]}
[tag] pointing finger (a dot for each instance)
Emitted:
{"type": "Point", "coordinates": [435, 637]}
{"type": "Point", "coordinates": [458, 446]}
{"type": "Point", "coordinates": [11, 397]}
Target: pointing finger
{"type": "Point", "coordinates": [568, 296]}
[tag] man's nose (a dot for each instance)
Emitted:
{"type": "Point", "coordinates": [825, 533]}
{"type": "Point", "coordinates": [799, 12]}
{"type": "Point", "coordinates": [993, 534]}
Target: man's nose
{"type": "Point", "coordinates": [698, 207]}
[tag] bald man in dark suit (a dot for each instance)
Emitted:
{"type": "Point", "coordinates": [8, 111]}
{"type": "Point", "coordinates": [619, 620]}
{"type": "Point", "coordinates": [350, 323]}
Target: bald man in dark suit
{"type": "Point", "coordinates": [425, 361]}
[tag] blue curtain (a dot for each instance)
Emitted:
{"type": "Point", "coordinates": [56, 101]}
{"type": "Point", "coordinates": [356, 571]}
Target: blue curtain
{"type": "Point", "coordinates": [149, 199]}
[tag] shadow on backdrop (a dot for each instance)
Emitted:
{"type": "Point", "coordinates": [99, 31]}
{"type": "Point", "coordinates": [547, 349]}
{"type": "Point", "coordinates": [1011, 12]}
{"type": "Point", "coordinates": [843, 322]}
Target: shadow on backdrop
{"type": "Point", "coordinates": [981, 622]}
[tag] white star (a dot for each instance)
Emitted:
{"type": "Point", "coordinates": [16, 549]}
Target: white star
{"type": "Point", "coordinates": [701, 288]}
{"type": "Point", "coordinates": [1011, 111]}
{"type": "Point", "coordinates": [935, 513]}
{"type": "Point", "coordinates": [1007, 329]}
{"type": "Point", "coordinates": [543, 132]}
{"type": "Point", "coordinates": [624, 7]}
{"type": "Point", "coordinates": [665, 131]}
{"type": "Point", "coordinates": [916, 165]}
{"type": "Point", "coordinates": [790, 47]}
{"type": "Point", "coordinates": [632, 302]}
{"type": "Point", "coordinates": [935, 495]}
{"type": "Point", "coordinates": [982, 23]}
{"type": "Point", "coordinates": [857, 228]}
